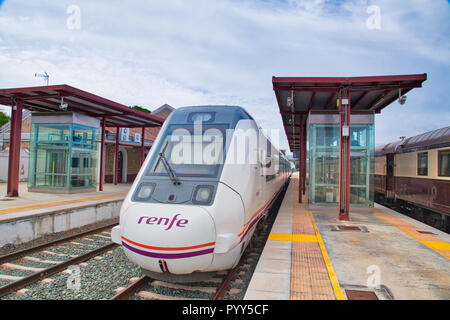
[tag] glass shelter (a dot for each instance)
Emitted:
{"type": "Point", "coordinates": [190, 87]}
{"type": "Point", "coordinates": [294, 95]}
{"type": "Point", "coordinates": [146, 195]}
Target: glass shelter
{"type": "Point", "coordinates": [323, 159]}
{"type": "Point", "coordinates": [63, 153]}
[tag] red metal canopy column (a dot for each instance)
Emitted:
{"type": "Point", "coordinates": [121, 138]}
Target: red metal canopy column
{"type": "Point", "coordinates": [14, 149]}
{"type": "Point", "coordinates": [301, 161]}
{"type": "Point", "coordinates": [116, 162]}
{"type": "Point", "coordinates": [143, 146]}
{"type": "Point", "coordinates": [304, 156]}
{"type": "Point", "coordinates": [102, 155]}
{"type": "Point", "coordinates": [344, 154]}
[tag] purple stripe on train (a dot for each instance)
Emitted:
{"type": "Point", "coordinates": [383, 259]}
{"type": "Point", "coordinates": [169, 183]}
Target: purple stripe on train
{"type": "Point", "coordinates": [169, 255]}
{"type": "Point", "coordinates": [258, 217]}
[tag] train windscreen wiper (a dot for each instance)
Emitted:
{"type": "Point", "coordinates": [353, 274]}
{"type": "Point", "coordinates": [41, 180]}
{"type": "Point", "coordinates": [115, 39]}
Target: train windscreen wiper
{"type": "Point", "coordinates": [169, 169]}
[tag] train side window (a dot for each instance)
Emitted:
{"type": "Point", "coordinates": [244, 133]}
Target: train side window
{"type": "Point", "coordinates": [422, 164]}
{"type": "Point", "coordinates": [444, 163]}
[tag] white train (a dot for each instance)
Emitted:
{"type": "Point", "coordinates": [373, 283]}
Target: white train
{"type": "Point", "coordinates": [208, 180]}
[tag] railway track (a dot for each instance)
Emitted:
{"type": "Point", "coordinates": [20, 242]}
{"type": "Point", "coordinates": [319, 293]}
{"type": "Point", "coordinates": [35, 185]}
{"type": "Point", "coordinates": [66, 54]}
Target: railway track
{"type": "Point", "coordinates": [222, 285]}
{"type": "Point", "coordinates": [215, 288]}
{"type": "Point", "coordinates": [41, 272]}
{"type": "Point", "coordinates": [60, 255]}
{"type": "Point", "coordinates": [25, 267]}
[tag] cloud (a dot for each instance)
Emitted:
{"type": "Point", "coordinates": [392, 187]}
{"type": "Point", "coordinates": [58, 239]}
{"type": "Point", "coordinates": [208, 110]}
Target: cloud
{"type": "Point", "coordinates": [226, 52]}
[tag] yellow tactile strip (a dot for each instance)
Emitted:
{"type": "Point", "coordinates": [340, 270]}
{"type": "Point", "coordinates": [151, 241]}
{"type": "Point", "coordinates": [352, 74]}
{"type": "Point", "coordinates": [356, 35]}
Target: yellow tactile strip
{"type": "Point", "coordinates": [59, 203]}
{"type": "Point", "coordinates": [292, 237]}
{"type": "Point", "coordinates": [312, 277]}
{"type": "Point", "coordinates": [332, 275]}
{"type": "Point", "coordinates": [429, 240]}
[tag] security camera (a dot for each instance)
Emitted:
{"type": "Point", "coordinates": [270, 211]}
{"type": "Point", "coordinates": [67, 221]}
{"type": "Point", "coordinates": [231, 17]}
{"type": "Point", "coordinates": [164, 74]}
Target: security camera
{"type": "Point", "coordinates": [290, 103]}
{"type": "Point", "coordinates": [402, 100]}
{"type": "Point", "coordinates": [63, 106]}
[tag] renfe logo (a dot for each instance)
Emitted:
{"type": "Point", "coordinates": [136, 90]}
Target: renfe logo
{"type": "Point", "coordinates": [165, 221]}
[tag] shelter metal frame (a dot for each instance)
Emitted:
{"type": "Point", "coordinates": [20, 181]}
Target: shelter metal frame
{"type": "Point", "coordinates": [63, 98]}
{"type": "Point", "coordinates": [297, 96]}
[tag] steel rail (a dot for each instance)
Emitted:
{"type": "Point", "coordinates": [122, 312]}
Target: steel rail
{"type": "Point", "coordinates": [24, 252]}
{"type": "Point", "coordinates": [131, 289]}
{"type": "Point", "coordinates": [226, 284]}
{"type": "Point", "coordinates": [19, 284]}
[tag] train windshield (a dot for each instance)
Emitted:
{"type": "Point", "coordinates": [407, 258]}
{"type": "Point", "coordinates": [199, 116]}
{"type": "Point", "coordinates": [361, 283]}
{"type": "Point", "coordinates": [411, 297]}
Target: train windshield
{"type": "Point", "coordinates": [190, 152]}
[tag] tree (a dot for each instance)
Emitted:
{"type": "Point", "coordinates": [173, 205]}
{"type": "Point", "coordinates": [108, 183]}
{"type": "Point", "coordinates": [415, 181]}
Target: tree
{"type": "Point", "coordinates": [3, 118]}
{"type": "Point", "coordinates": [141, 109]}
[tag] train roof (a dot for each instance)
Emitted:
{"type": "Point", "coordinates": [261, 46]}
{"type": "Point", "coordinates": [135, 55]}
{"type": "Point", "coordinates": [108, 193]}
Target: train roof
{"type": "Point", "coordinates": [435, 138]}
{"type": "Point", "coordinates": [238, 110]}
{"type": "Point", "coordinates": [432, 139]}
{"type": "Point", "coordinates": [391, 147]}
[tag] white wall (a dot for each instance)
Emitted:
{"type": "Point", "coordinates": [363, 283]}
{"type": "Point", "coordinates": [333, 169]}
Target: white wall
{"type": "Point", "coordinates": [23, 168]}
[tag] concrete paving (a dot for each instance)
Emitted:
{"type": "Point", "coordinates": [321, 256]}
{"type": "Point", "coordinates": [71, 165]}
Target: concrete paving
{"type": "Point", "coordinates": [390, 255]}
{"type": "Point", "coordinates": [399, 264]}
{"type": "Point", "coordinates": [33, 198]}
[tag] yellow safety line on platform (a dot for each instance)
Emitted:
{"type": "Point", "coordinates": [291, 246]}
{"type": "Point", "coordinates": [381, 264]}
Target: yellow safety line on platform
{"type": "Point", "coordinates": [292, 237]}
{"type": "Point", "coordinates": [58, 203]}
{"type": "Point", "coordinates": [333, 278]}
{"type": "Point", "coordinates": [433, 245]}
{"type": "Point", "coordinates": [437, 245]}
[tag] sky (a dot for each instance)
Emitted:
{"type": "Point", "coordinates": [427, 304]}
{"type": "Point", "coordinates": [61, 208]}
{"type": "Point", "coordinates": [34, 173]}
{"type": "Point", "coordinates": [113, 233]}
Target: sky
{"type": "Point", "coordinates": [202, 52]}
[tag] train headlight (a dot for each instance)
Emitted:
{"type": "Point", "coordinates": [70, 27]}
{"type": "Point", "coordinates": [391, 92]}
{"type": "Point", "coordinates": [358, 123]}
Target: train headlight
{"type": "Point", "coordinates": [203, 194]}
{"type": "Point", "coordinates": [144, 191]}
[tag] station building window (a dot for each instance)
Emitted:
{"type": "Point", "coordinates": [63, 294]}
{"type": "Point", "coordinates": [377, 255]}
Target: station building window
{"type": "Point", "coordinates": [422, 164]}
{"type": "Point", "coordinates": [444, 163]}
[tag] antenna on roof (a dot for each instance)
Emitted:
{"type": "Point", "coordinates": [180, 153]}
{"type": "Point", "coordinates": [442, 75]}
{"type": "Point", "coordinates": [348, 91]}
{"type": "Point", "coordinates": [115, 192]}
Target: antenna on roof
{"type": "Point", "coordinates": [45, 76]}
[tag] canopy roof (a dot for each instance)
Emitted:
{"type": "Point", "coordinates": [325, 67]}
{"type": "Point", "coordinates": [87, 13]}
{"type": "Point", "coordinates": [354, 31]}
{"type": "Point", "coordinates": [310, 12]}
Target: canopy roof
{"type": "Point", "coordinates": [50, 98]}
{"type": "Point", "coordinates": [367, 94]}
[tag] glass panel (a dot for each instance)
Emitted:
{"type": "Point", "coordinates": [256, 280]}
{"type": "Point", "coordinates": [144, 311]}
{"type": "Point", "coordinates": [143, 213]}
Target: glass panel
{"type": "Point", "coordinates": [83, 137]}
{"type": "Point", "coordinates": [83, 164]}
{"type": "Point", "coordinates": [53, 135]}
{"type": "Point", "coordinates": [62, 153]}
{"type": "Point", "coordinates": [323, 162]}
{"type": "Point", "coordinates": [51, 168]}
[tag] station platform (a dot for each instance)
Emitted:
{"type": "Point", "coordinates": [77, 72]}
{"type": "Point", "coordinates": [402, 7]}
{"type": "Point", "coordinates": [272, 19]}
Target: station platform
{"type": "Point", "coordinates": [32, 215]}
{"type": "Point", "coordinates": [379, 254]}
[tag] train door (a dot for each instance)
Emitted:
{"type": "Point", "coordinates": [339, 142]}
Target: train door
{"type": "Point", "coordinates": [390, 175]}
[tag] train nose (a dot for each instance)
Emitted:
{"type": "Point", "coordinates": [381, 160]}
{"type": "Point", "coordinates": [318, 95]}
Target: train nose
{"type": "Point", "coordinates": [177, 239]}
